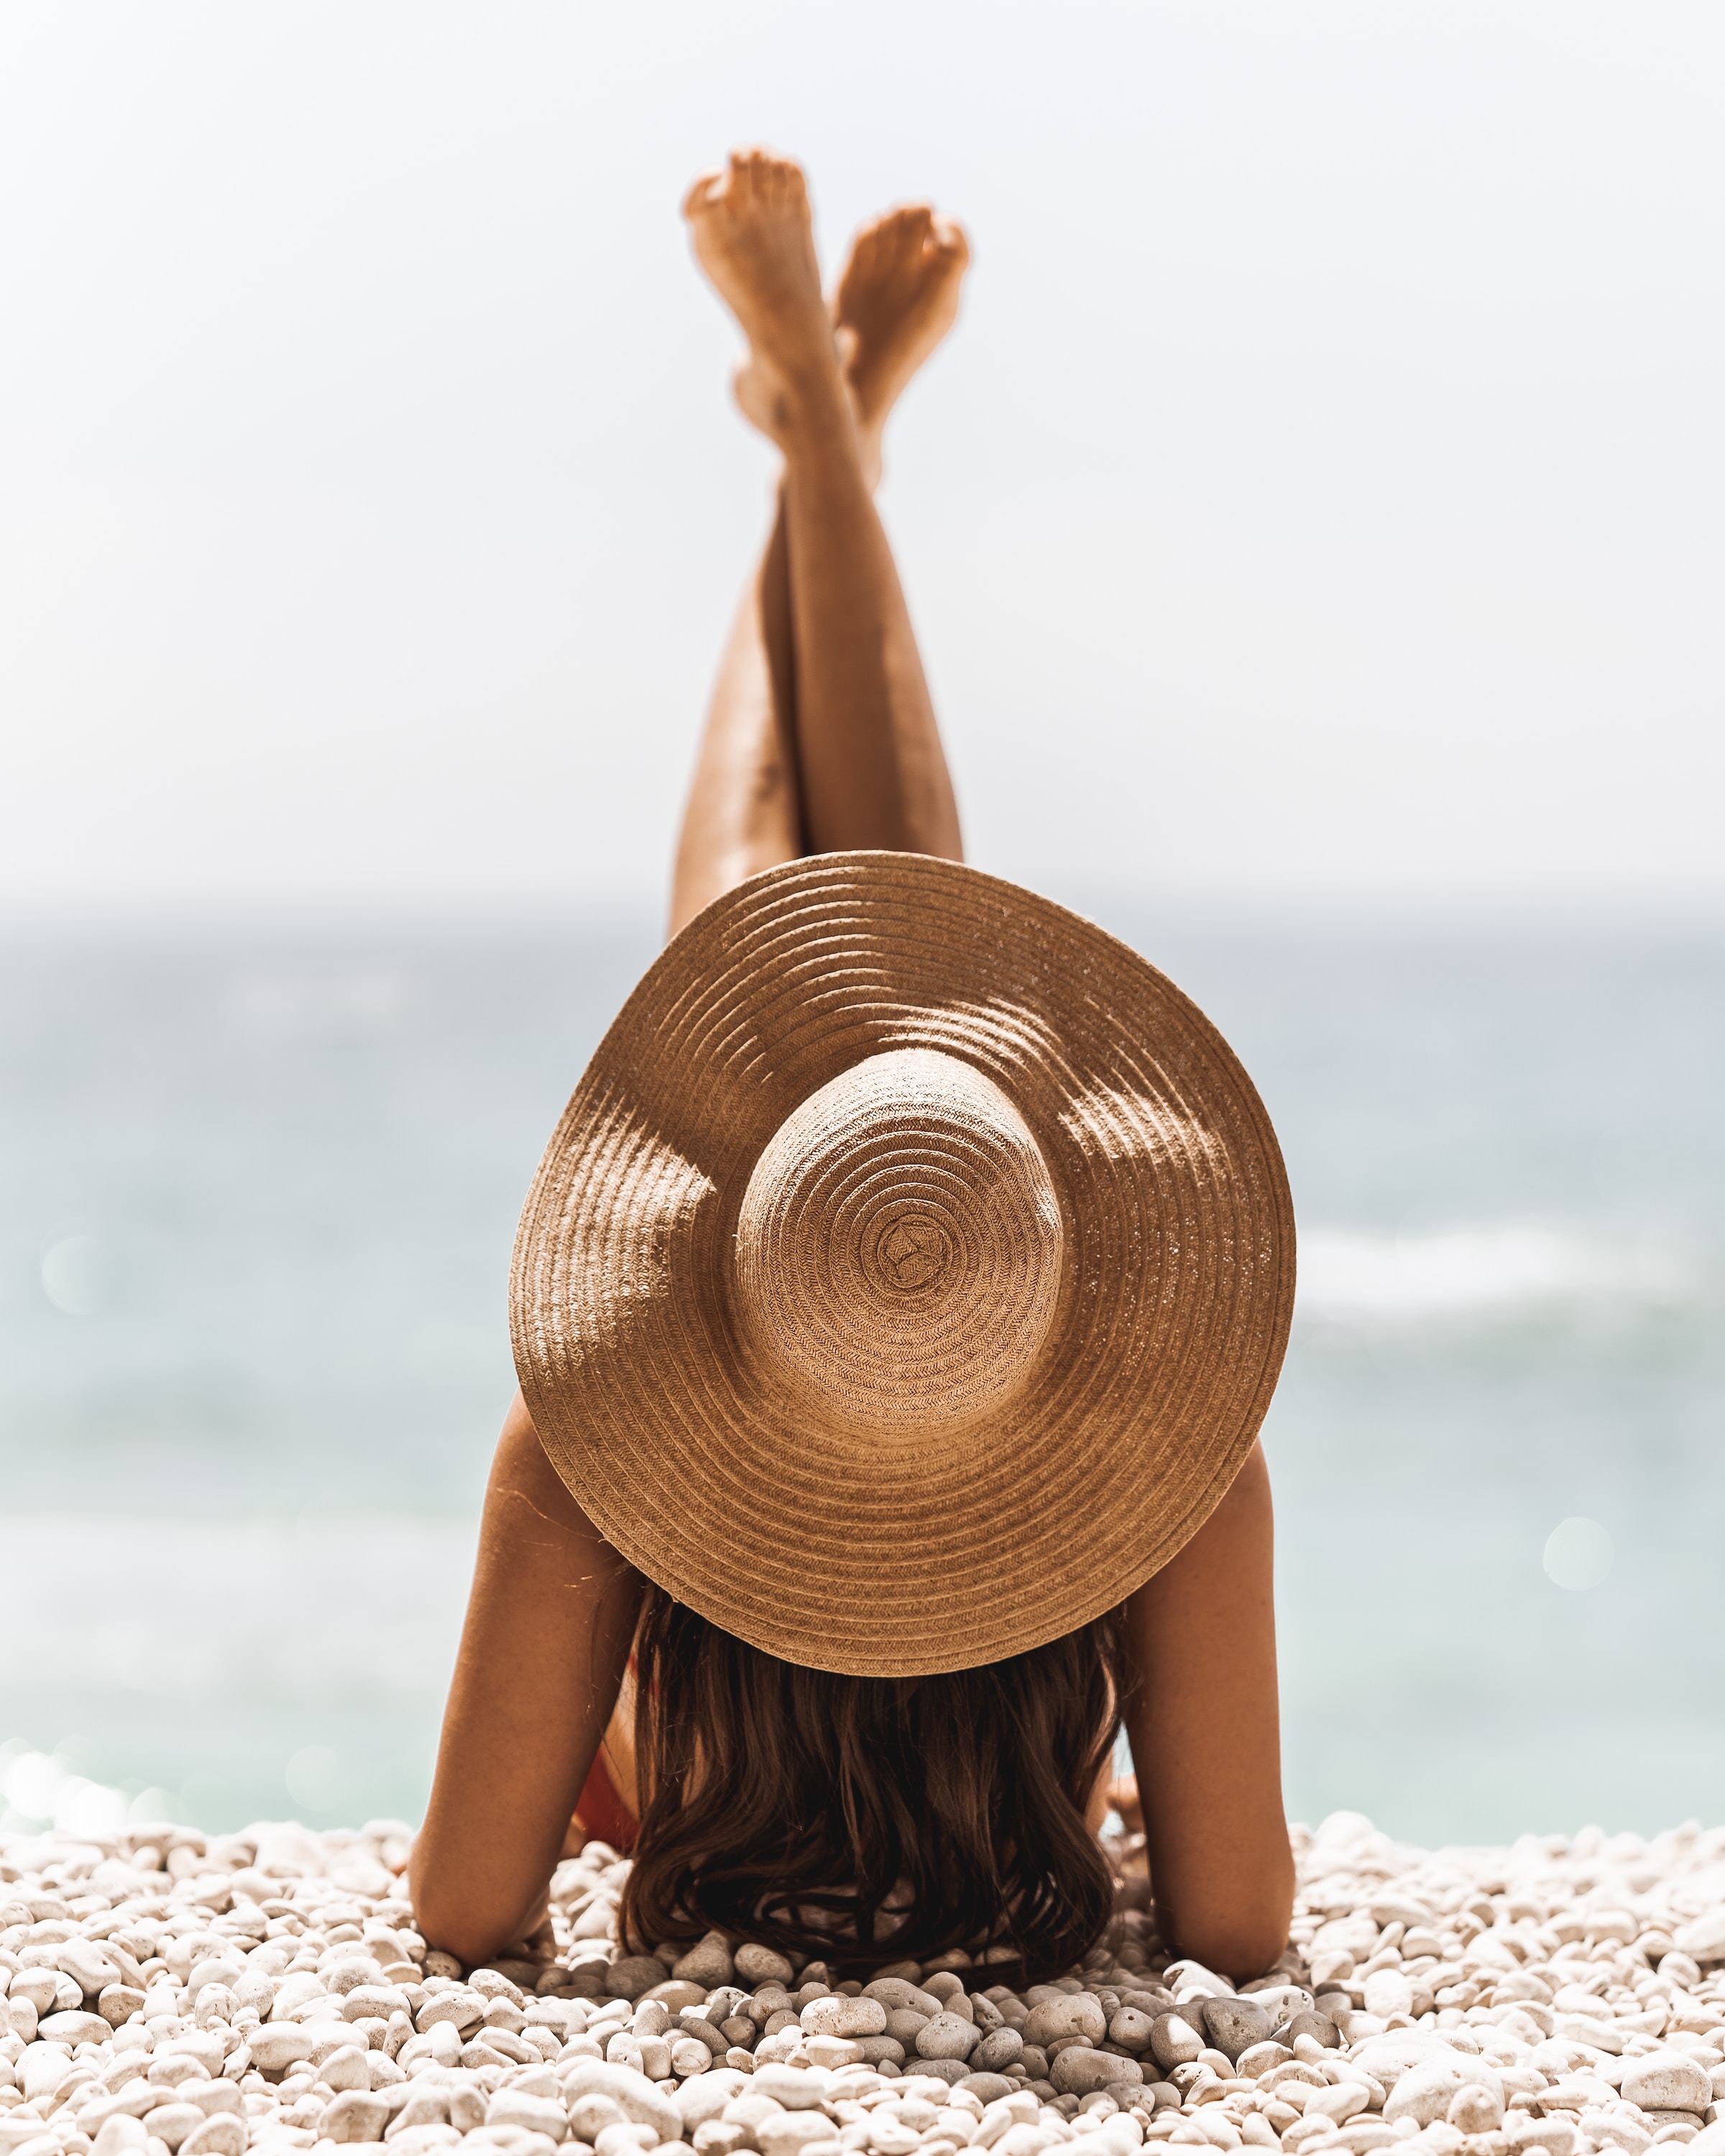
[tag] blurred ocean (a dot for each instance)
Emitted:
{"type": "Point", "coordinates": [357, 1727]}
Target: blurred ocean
{"type": "Point", "coordinates": [257, 1191]}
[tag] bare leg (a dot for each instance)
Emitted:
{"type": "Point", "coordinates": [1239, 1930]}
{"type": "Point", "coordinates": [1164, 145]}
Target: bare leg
{"type": "Point", "coordinates": [896, 298]}
{"type": "Point", "coordinates": [744, 813]}
{"type": "Point", "coordinates": [820, 735]}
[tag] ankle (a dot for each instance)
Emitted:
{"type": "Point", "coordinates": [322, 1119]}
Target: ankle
{"type": "Point", "coordinates": [811, 414]}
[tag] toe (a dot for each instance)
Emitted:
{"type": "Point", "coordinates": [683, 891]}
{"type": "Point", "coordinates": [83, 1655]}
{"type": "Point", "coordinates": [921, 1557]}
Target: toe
{"type": "Point", "coordinates": [904, 237]}
{"type": "Point", "coordinates": [703, 193]}
{"type": "Point", "coordinates": [951, 238]}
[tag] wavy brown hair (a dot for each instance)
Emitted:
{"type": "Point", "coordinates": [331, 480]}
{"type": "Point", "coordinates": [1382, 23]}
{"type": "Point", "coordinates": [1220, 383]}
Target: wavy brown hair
{"type": "Point", "coordinates": [869, 1820]}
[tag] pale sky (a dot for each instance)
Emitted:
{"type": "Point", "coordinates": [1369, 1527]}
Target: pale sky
{"type": "Point", "coordinates": [1322, 491]}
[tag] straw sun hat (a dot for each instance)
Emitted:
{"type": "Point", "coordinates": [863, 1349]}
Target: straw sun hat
{"type": "Point", "coordinates": [909, 1274]}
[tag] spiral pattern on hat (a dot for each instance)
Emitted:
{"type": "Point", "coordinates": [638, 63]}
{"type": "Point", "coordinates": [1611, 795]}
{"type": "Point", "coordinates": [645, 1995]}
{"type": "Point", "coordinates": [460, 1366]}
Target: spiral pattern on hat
{"type": "Point", "coordinates": [898, 1249]}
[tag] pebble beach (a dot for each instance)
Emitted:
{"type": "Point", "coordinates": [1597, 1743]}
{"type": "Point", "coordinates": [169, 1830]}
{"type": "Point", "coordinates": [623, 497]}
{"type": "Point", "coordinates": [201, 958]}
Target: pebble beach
{"type": "Point", "coordinates": [171, 1993]}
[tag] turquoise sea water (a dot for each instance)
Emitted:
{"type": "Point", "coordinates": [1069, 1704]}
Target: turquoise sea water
{"type": "Point", "coordinates": [257, 1191]}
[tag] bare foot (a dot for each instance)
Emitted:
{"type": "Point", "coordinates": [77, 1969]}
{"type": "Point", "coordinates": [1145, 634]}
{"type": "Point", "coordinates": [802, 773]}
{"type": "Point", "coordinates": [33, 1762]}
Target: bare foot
{"type": "Point", "coordinates": [754, 237]}
{"type": "Point", "coordinates": [896, 298]}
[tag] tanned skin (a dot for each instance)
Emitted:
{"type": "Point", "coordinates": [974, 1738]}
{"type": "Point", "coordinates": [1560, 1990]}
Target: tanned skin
{"type": "Point", "coordinates": [821, 737]}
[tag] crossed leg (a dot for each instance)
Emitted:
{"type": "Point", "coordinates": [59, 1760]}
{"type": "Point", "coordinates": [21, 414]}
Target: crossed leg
{"type": "Point", "coordinates": [820, 734]}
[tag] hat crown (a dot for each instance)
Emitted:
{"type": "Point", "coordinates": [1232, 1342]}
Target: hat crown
{"type": "Point", "coordinates": [898, 1252]}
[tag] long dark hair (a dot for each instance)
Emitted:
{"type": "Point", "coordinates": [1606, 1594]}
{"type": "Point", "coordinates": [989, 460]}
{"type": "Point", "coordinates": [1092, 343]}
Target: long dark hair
{"type": "Point", "coordinates": [869, 1820]}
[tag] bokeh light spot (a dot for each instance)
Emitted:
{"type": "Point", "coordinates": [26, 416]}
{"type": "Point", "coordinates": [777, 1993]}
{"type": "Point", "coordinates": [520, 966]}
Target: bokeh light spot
{"type": "Point", "coordinates": [1579, 1553]}
{"type": "Point", "coordinates": [73, 1276]}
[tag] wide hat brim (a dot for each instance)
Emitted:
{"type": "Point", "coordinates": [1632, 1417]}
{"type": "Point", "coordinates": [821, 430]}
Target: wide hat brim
{"type": "Point", "coordinates": [894, 1553]}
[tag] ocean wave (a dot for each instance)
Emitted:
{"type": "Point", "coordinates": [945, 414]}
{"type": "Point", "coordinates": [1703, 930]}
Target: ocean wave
{"type": "Point", "coordinates": [1353, 1277]}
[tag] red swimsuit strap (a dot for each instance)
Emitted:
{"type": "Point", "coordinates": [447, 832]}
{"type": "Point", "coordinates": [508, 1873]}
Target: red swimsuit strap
{"type": "Point", "coordinates": [603, 1813]}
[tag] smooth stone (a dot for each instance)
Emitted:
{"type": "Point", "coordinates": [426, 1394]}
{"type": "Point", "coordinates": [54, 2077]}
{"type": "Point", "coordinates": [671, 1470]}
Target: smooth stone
{"type": "Point", "coordinates": [897, 1995]}
{"type": "Point", "coordinates": [256, 1990]}
{"type": "Point", "coordinates": [1388, 1993]}
{"type": "Point", "coordinates": [1255, 2064]}
{"type": "Point", "coordinates": [467, 2105]}
{"type": "Point", "coordinates": [1318, 2026]}
{"type": "Point", "coordinates": [709, 1961]}
{"type": "Point", "coordinates": [118, 2135]}
{"type": "Point", "coordinates": [74, 2027]}
{"type": "Point", "coordinates": [797, 2088]}
{"type": "Point", "coordinates": [1076, 2013]}
{"type": "Point", "coordinates": [219, 1968]}
{"type": "Point", "coordinates": [1173, 2041]}
{"type": "Point", "coordinates": [212, 2097]}
{"type": "Point", "coordinates": [536, 2114]}
{"type": "Point", "coordinates": [1425, 2092]}
{"type": "Point", "coordinates": [622, 2139]}
{"type": "Point", "coordinates": [1130, 2027]}
{"type": "Point", "coordinates": [832, 2052]}
{"type": "Point", "coordinates": [634, 1975]}
{"type": "Point", "coordinates": [40, 1986]}
{"type": "Point", "coordinates": [760, 1964]}
{"type": "Point", "coordinates": [40, 2069]}
{"type": "Point", "coordinates": [172, 2122]}
{"type": "Point", "coordinates": [590, 2114]}
{"type": "Point", "coordinates": [1659, 2081]}
{"type": "Point", "coordinates": [279, 2044]}
{"type": "Point", "coordinates": [1473, 2109]}
{"type": "Point", "coordinates": [207, 2048]}
{"type": "Point", "coordinates": [1080, 2071]}
{"type": "Point", "coordinates": [987, 2087]}
{"type": "Point", "coordinates": [90, 1967]}
{"type": "Point", "coordinates": [836, 2016]}
{"type": "Point", "coordinates": [294, 1991]}
{"type": "Point", "coordinates": [1556, 2137]}
{"type": "Point", "coordinates": [223, 2133]}
{"type": "Point", "coordinates": [1386, 2058]}
{"type": "Point", "coordinates": [1339, 2101]}
{"type": "Point", "coordinates": [952, 2071]}
{"type": "Point", "coordinates": [366, 2001]}
{"type": "Point", "coordinates": [461, 2008]}
{"type": "Point", "coordinates": [705, 2096]}
{"type": "Point", "coordinates": [1235, 2024]}
{"type": "Point", "coordinates": [596, 1920]}
{"type": "Point", "coordinates": [794, 2132]}
{"type": "Point", "coordinates": [677, 1992]}
{"type": "Point", "coordinates": [1703, 1941]}
{"type": "Point", "coordinates": [1281, 2001]}
{"type": "Point", "coordinates": [134, 2099]}
{"type": "Point", "coordinates": [637, 2097]}
{"type": "Point", "coordinates": [1000, 2049]}
{"type": "Point", "coordinates": [947, 2036]}
{"type": "Point", "coordinates": [345, 2068]}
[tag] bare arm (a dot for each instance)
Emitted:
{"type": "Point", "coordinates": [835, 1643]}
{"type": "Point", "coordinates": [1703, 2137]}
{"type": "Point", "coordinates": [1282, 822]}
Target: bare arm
{"type": "Point", "coordinates": [543, 1651]}
{"type": "Point", "coordinates": [1206, 1737]}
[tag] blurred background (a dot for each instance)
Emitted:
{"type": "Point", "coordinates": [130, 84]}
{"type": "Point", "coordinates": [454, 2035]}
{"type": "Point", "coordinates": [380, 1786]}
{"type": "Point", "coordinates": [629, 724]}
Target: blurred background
{"type": "Point", "coordinates": [1314, 528]}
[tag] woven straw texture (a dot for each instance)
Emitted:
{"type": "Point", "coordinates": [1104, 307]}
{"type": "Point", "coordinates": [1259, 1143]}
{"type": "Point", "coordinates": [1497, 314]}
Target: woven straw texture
{"type": "Point", "coordinates": [909, 1273]}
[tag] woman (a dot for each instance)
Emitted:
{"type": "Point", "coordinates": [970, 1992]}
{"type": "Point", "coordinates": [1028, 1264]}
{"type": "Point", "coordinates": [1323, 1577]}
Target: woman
{"type": "Point", "coordinates": [816, 1788]}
